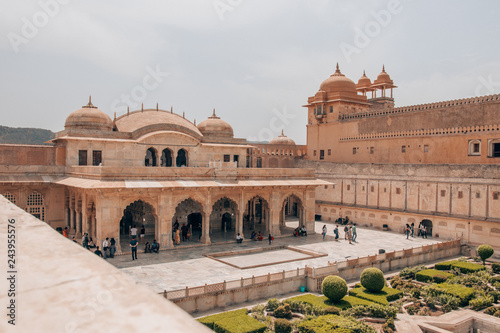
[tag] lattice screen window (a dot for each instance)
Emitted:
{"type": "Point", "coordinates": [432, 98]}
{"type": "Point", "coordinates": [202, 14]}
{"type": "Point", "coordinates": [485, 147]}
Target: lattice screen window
{"type": "Point", "coordinates": [11, 197]}
{"type": "Point", "coordinates": [35, 205]}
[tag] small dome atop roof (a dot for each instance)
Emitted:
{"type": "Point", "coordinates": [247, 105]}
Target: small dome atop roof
{"type": "Point", "coordinates": [383, 78]}
{"type": "Point", "coordinates": [215, 126]}
{"type": "Point", "coordinates": [282, 140]}
{"type": "Point", "coordinates": [338, 83]}
{"type": "Point", "coordinates": [364, 81]}
{"type": "Point", "coordinates": [89, 117]}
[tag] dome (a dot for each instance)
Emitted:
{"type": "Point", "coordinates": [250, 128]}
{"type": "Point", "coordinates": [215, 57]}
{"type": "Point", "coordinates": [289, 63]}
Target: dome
{"type": "Point", "coordinates": [151, 120]}
{"type": "Point", "coordinates": [364, 81]}
{"type": "Point", "coordinates": [282, 140]}
{"type": "Point", "coordinates": [383, 78]}
{"type": "Point", "coordinates": [215, 126]}
{"type": "Point", "coordinates": [338, 83]}
{"type": "Point", "coordinates": [89, 117]}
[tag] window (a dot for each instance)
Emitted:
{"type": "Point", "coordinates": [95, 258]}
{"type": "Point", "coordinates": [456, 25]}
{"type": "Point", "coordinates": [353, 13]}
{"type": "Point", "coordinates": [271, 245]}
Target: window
{"type": "Point", "coordinates": [35, 205]}
{"type": "Point", "coordinates": [329, 152]}
{"type": "Point", "coordinates": [11, 197]}
{"type": "Point", "coordinates": [363, 189]}
{"type": "Point", "coordinates": [331, 109]}
{"type": "Point", "coordinates": [372, 188]}
{"type": "Point", "coordinates": [248, 161]}
{"type": "Point", "coordinates": [314, 153]}
{"type": "Point", "coordinates": [403, 149]}
{"type": "Point", "coordinates": [372, 150]}
{"type": "Point", "coordinates": [321, 154]}
{"type": "Point", "coordinates": [426, 148]}
{"type": "Point", "coordinates": [227, 204]}
{"type": "Point", "coordinates": [326, 187]}
{"type": "Point", "coordinates": [474, 147]}
{"type": "Point", "coordinates": [494, 148]}
{"type": "Point", "coordinates": [460, 194]}
{"type": "Point", "coordinates": [398, 190]}
{"type": "Point", "coordinates": [227, 158]}
{"type": "Point", "coordinates": [259, 162]}
{"type": "Point", "coordinates": [236, 158]}
{"type": "Point", "coordinates": [82, 157]}
{"type": "Point", "coordinates": [96, 157]}
{"type": "Point", "coordinates": [478, 195]}
{"type": "Point", "coordinates": [385, 189]}
{"type": "Point", "coordinates": [443, 193]}
{"type": "Point", "coordinates": [354, 151]}
{"type": "Point", "coordinates": [495, 195]}
{"type": "Point", "coordinates": [348, 187]}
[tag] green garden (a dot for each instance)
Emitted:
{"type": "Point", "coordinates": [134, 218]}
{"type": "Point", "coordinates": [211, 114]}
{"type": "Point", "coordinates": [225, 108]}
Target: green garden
{"type": "Point", "coordinates": [372, 305]}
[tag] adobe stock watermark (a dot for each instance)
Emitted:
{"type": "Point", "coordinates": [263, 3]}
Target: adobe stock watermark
{"type": "Point", "coordinates": [280, 119]}
{"type": "Point", "coordinates": [138, 93]}
{"type": "Point", "coordinates": [364, 36]}
{"type": "Point", "coordinates": [223, 6]}
{"type": "Point", "coordinates": [31, 27]}
{"type": "Point", "coordinates": [488, 86]}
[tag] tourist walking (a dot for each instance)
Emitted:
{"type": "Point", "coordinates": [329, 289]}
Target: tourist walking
{"type": "Point", "coordinates": [412, 229]}
{"type": "Point", "coordinates": [407, 230]}
{"type": "Point", "coordinates": [346, 232]}
{"type": "Point", "coordinates": [270, 239]}
{"type": "Point", "coordinates": [349, 234]}
{"type": "Point", "coordinates": [324, 231]}
{"type": "Point", "coordinates": [177, 237]}
{"type": "Point", "coordinates": [354, 232]}
{"type": "Point", "coordinates": [133, 247]}
{"type": "Point", "coordinates": [336, 232]}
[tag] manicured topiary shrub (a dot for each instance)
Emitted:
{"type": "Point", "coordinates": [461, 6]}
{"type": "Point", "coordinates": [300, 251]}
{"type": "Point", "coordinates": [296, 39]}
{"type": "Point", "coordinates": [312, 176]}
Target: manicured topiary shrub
{"type": "Point", "coordinates": [463, 293]}
{"type": "Point", "coordinates": [481, 303]}
{"type": "Point", "coordinates": [282, 326]}
{"type": "Point", "coordinates": [468, 267]}
{"type": "Point", "coordinates": [272, 304]}
{"type": "Point", "coordinates": [383, 297]}
{"type": "Point", "coordinates": [334, 287]}
{"type": "Point", "coordinates": [445, 265]}
{"type": "Point", "coordinates": [283, 311]}
{"type": "Point", "coordinates": [372, 279]}
{"type": "Point", "coordinates": [331, 310]}
{"type": "Point", "coordinates": [485, 251]}
{"type": "Point", "coordinates": [430, 274]}
{"type": "Point", "coordinates": [333, 323]}
{"type": "Point", "coordinates": [233, 321]}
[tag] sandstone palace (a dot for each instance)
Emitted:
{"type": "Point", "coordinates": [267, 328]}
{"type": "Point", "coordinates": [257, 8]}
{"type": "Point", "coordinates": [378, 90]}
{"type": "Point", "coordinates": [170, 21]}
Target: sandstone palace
{"type": "Point", "coordinates": [380, 165]}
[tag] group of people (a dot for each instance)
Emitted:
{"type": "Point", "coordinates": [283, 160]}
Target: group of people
{"type": "Point", "coordinates": [350, 232]}
{"type": "Point", "coordinates": [300, 231]}
{"type": "Point", "coordinates": [410, 230]}
{"type": "Point", "coordinates": [183, 232]}
{"type": "Point", "coordinates": [257, 236]}
{"type": "Point", "coordinates": [153, 247]}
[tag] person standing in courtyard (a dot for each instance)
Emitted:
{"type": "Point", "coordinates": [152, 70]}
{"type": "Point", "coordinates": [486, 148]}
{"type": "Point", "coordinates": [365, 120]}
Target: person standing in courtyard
{"type": "Point", "coordinates": [324, 231]}
{"type": "Point", "coordinates": [105, 247]}
{"type": "Point", "coordinates": [85, 241]}
{"type": "Point", "coordinates": [143, 233]}
{"type": "Point", "coordinates": [133, 247]}
{"type": "Point", "coordinates": [133, 232]}
{"type": "Point", "coordinates": [270, 239]}
{"type": "Point", "coordinates": [349, 234]}
{"type": "Point", "coordinates": [66, 232]}
{"type": "Point", "coordinates": [354, 232]}
{"type": "Point", "coordinates": [346, 232]}
{"type": "Point", "coordinates": [112, 247]}
{"type": "Point", "coordinates": [336, 232]}
{"type": "Point", "coordinates": [407, 230]}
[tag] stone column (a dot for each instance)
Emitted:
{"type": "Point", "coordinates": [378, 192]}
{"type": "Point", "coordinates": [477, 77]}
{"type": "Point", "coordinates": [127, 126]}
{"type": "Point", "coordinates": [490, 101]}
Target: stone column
{"type": "Point", "coordinates": [164, 222]}
{"type": "Point", "coordinates": [72, 220]}
{"type": "Point", "coordinates": [239, 223]}
{"type": "Point", "coordinates": [78, 224]}
{"type": "Point", "coordinates": [67, 217]}
{"type": "Point", "coordinates": [205, 229]}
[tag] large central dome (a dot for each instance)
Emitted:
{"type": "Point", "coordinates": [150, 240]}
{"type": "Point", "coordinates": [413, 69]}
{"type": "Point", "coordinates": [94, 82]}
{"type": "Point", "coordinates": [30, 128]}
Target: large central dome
{"type": "Point", "coordinates": [215, 126]}
{"type": "Point", "coordinates": [338, 83]}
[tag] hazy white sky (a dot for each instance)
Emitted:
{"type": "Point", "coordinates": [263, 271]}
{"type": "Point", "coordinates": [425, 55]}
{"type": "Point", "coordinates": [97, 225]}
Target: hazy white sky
{"type": "Point", "coordinates": [255, 61]}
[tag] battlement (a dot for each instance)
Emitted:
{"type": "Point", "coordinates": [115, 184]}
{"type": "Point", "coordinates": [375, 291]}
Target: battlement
{"type": "Point", "coordinates": [422, 107]}
{"type": "Point", "coordinates": [424, 132]}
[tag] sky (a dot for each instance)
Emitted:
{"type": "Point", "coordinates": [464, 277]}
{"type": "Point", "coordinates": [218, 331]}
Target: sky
{"type": "Point", "coordinates": [256, 62]}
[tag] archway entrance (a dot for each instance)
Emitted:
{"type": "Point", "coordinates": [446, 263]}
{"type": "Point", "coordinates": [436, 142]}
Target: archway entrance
{"type": "Point", "coordinates": [139, 214]}
{"type": "Point", "coordinates": [150, 159]}
{"type": "Point", "coordinates": [223, 220]}
{"type": "Point", "coordinates": [181, 160]}
{"type": "Point", "coordinates": [292, 214]}
{"type": "Point", "coordinates": [428, 226]}
{"type": "Point", "coordinates": [188, 220]}
{"type": "Point", "coordinates": [256, 217]}
{"type": "Point", "coordinates": [166, 158]}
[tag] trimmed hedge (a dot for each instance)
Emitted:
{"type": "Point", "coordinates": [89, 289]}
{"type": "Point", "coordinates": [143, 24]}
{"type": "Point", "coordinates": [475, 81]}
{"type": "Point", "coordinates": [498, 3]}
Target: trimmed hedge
{"type": "Point", "coordinates": [333, 323]}
{"type": "Point", "coordinates": [465, 294]}
{"type": "Point", "coordinates": [372, 279]}
{"type": "Point", "coordinates": [496, 268]}
{"type": "Point", "coordinates": [468, 267]}
{"type": "Point", "coordinates": [429, 274]}
{"type": "Point", "coordinates": [334, 287]}
{"type": "Point", "coordinates": [383, 297]}
{"type": "Point", "coordinates": [282, 326]}
{"type": "Point", "coordinates": [233, 322]}
{"type": "Point", "coordinates": [445, 265]}
{"type": "Point", "coordinates": [324, 303]}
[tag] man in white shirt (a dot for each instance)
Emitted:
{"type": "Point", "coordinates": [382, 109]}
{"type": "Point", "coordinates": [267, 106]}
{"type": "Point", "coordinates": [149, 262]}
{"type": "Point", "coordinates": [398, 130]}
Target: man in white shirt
{"type": "Point", "coordinates": [105, 247]}
{"type": "Point", "coordinates": [133, 232]}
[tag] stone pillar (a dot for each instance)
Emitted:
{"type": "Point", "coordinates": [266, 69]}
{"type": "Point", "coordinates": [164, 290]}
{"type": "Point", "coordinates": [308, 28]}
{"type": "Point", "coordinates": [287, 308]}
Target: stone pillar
{"type": "Point", "coordinates": [205, 229]}
{"type": "Point", "coordinates": [72, 220]}
{"type": "Point", "coordinates": [164, 228]}
{"type": "Point", "coordinates": [78, 224]}
{"type": "Point", "coordinates": [67, 217]}
{"type": "Point", "coordinates": [239, 224]}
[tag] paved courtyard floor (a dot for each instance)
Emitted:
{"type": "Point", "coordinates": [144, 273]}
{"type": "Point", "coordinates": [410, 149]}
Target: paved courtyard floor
{"type": "Point", "coordinates": [178, 268]}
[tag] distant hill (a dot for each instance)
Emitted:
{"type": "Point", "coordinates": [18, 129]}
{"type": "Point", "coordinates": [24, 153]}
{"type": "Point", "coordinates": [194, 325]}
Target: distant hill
{"type": "Point", "coordinates": [31, 136]}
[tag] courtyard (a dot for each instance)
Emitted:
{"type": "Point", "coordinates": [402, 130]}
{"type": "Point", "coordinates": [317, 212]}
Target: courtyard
{"type": "Point", "coordinates": [188, 266]}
